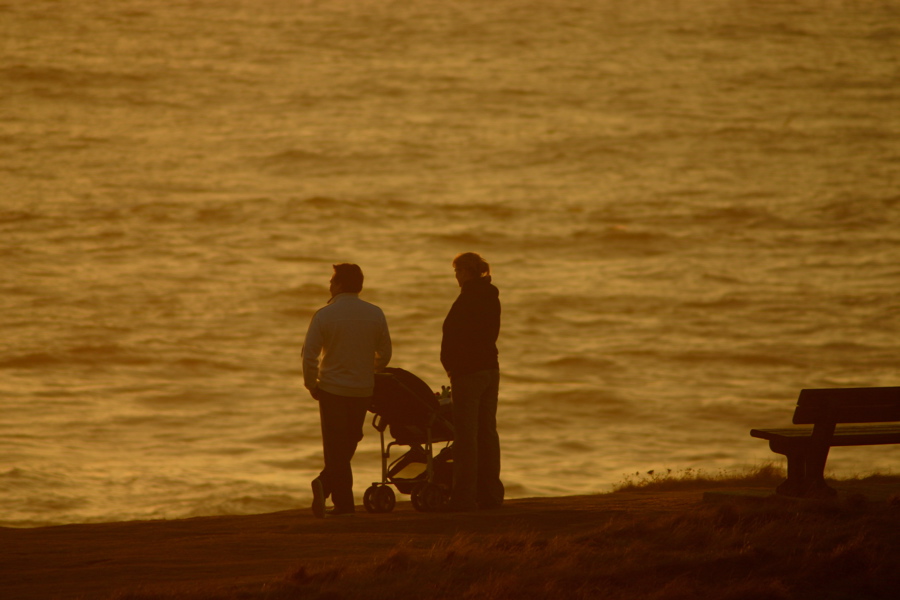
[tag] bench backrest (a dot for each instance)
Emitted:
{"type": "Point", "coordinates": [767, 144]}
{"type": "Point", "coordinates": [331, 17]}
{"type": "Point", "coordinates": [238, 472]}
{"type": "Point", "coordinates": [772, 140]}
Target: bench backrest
{"type": "Point", "coordinates": [848, 405]}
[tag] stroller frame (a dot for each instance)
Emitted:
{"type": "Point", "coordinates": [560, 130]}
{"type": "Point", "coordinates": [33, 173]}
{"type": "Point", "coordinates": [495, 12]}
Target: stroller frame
{"type": "Point", "coordinates": [426, 493]}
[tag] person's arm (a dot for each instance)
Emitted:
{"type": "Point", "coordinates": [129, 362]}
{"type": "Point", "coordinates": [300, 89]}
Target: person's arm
{"type": "Point", "coordinates": [454, 332]}
{"type": "Point", "coordinates": [312, 348]}
{"type": "Point", "coordinates": [383, 350]}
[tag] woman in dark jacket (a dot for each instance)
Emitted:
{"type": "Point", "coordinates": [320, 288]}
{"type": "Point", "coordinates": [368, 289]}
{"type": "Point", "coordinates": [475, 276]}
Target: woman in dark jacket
{"type": "Point", "coordinates": [469, 355]}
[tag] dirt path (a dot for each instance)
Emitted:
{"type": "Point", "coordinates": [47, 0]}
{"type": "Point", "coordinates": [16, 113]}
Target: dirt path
{"type": "Point", "coordinates": [95, 561]}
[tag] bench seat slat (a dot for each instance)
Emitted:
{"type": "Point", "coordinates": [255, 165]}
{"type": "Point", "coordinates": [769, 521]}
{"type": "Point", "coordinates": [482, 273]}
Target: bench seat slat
{"type": "Point", "coordinates": [848, 435]}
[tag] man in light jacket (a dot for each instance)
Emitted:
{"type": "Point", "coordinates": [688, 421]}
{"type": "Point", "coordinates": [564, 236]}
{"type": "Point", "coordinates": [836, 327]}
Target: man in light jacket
{"type": "Point", "coordinates": [346, 343]}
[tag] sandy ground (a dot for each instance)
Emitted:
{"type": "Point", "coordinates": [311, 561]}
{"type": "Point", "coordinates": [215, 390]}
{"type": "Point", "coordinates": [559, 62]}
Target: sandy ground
{"type": "Point", "coordinates": [97, 561]}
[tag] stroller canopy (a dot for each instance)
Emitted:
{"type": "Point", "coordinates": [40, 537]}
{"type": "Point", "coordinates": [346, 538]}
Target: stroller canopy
{"type": "Point", "coordinates": [401, 398]}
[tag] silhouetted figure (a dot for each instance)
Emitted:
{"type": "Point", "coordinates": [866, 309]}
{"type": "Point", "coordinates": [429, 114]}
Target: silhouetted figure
{"type": "Point", "coordinates": [351, 337]}
{"type": "Point", "coordinates": [469, 355]}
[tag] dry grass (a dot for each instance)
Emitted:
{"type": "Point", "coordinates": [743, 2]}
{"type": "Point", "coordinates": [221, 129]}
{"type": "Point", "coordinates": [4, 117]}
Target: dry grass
{"type": "Point", "coordinates": [768, 475]}
{"type": "Point", "coordinates": [741, 549]}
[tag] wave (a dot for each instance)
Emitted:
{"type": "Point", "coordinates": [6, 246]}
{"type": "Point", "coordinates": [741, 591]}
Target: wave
{"type": "Point", "coordinates": [101, 356]}
{"type": "Point", "coordinates": [305, 290]}
{"type": "Point", "coordinates": [16, 73]}
{"type": "Point", "coordinates": [579, 241]}
{"type": "Point", "coordinates": [470, 239]}
{"type": "Point", "coordinates": [479, 209]}
{"type": "Point", "coordinates": [37, 497]}
{"type": "Point", "coordinates": [884, 34]}
{"type": "Point", "coordinates": [291, 158]}
{"type": "Point", "coordinates": [566, 407]}
{"type": "Point", "coordinates": [31, 361]}
{"type": "Point", "coordinates": [623, 239]}
{"type": "Point", "coordinates": [226, 213]}
{"type": "Point", "coordinates": [298, 258]}
{"type": "Point", "coordinates": [191, 398]}
{"type": "Point", "coordinates": [243, 505]}
{"type": "Point", "coordinates": [195, 364]}
{"type": "Point", "coordinates": [740, 216]}
{"type": "Point", "coordinates": [68, 83]}
{"type": "Point", "coordinates": [777, 358]}
{"type": "Point", "coordinates": [324, 211]}
{"type": "Point", "coordinates": [581, 363]}
{"type": "Point", "coordinates": [857, 210]}
{"type": "Point", "coordinates": [751, 31]}
{"type": "Point", "coordinates": [21, 476]}
{"type": "Point", "coordinates": [302, 163]}
{"type": "Point", "coordinates": [725, 302]}
{"type": "Point", "coordinates": [18, 216]}
{"type": "Point", "coordinates": [583, 151]}
{"type": "Point", "coordinates": [81, 355]}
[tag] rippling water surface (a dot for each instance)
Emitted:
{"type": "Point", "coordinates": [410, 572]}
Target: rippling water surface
{"type": "Point", "coordinates": [691, 209]}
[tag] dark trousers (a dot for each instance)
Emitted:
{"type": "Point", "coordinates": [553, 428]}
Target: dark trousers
{"type": "Point", "coordinates": [342, 419]}
{"type": "Point", "coordinates": [476, 446]}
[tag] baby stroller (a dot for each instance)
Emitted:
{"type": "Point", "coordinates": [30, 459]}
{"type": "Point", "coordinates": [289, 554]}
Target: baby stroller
{"type": "Point", "coordinates": [414, 416]}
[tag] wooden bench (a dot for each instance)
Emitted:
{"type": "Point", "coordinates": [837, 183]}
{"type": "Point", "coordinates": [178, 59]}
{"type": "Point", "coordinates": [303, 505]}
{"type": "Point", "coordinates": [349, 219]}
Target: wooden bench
{"type": "Point", "coordinates": [829, 411]}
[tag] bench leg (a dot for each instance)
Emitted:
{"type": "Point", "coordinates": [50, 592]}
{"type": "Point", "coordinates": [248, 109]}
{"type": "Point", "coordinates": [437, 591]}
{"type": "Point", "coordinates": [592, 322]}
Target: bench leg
{"type": "Point", "coordinates": [795, 484]}
{"type": "Point", "coordinates": [815, 486]}
{"type": "Point", "coordinates": [806, 472]}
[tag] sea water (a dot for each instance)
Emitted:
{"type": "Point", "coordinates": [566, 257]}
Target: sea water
{"type": "Point", "coordinates": [691, 209]}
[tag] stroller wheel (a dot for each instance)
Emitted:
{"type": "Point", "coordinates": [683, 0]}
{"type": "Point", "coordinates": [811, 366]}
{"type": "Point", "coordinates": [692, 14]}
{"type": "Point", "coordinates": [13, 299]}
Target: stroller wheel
{"type": "Point", "coordinates": [429, 497]}
{"type": "Point", "coordinates": [379, 499]}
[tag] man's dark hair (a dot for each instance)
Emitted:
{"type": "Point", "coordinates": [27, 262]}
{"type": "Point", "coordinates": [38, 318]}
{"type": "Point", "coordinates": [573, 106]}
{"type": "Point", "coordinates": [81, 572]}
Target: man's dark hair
{"type": "Point", "coordinates": [350, 277]}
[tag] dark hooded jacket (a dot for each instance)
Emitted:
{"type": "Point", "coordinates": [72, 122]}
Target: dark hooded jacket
{"type": "Point", "coordinates": [469, 343]}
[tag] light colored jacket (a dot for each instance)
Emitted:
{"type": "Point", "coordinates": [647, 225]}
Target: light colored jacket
{"type": "Point", "coordinates": [347, 341]}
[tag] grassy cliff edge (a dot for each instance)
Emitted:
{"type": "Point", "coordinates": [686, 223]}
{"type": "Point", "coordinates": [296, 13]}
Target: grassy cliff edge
{"type": "Point", "coordinates": [660, 536]}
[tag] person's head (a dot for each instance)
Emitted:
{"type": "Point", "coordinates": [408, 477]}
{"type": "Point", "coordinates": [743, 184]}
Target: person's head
{"type": "Point", "coordinates": [347, 278]}
{"type": "Point", "coordinates": [470, 265]}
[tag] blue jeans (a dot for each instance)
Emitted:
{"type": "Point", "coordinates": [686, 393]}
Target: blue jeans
{"type": "Point", "coordinates": [342, 419]}
{"type": "Point", "coordinates": [476, 446]}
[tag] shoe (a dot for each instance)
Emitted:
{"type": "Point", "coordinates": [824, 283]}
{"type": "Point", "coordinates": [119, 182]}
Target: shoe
{"type": "Point", "coordinates": [339, 512]}
{"type": "Point", "coordinates": [490, 497]}
{"type": "Point", "coordinates": [318, 504]}
{"type": "Point", "coordinates": [490, 504]}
